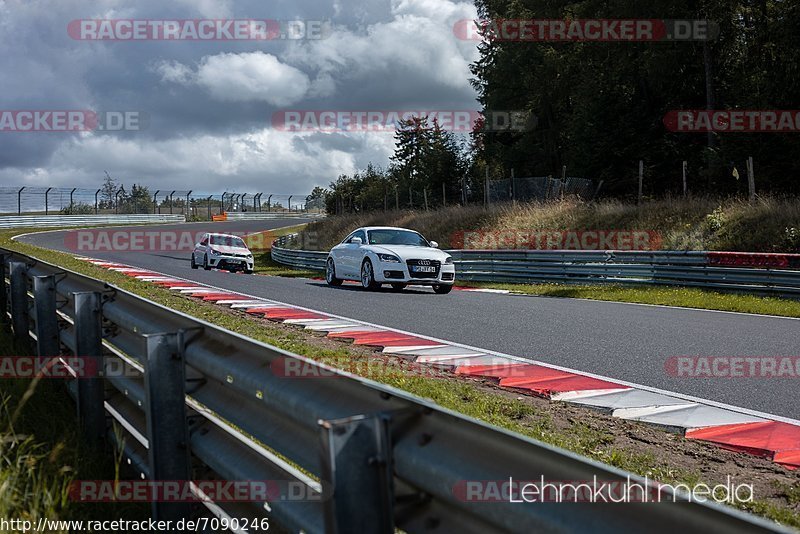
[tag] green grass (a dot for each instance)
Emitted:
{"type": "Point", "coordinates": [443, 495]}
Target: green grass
{"type": "Point", "coordinates": [42, 452]}
{"type": "Point", "coordinates": [266, 266]}
{"type": "Point", "coordinates": [461, 396]}
{"type": "Point", "coordinates": [665, 296]}
{"type": "Point", "coordinates": [263, 263]}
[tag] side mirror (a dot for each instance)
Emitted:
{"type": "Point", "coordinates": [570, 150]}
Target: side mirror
{"type": "Point", "coordinates": [434, 244]}
{"type": "Point", "coordinates": [356, 241]}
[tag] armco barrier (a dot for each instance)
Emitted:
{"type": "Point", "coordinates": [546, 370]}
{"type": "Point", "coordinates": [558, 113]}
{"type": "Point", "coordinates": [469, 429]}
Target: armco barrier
{"type": "Point", "coordinates": [201, 402]}
{"type": "Point", "coordinates": [258, 215]}
{"type": "Point", "coordinates": [25, 221]}
{"type": "Point", "coordinates": [750, 273]}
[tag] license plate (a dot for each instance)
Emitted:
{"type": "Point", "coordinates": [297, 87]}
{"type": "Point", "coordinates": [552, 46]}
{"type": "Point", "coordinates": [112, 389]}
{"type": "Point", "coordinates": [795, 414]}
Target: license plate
{"type": "Point", "coordinates": [423, 268]}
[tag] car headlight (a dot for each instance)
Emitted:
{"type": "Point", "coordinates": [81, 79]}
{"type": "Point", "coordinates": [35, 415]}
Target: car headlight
{"type": "Point", "coordinates": [388, 258]}
{"type": "Point", "coordinates": [213, 252]}
{"type": "Point", "coordinates": [448, 260]}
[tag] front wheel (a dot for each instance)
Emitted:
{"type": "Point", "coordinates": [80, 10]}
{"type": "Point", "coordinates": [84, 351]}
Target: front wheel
{"type": "Point", "coordinates": [194, 264]}
{"type": "Point", "coordinates": [368, 276]}
{"type": "Point", "coordinates": [330, 274]}
{"type": "Point", "coordinates": [442, 289]}
{"type": "Point", "coordinates": [206, 266]}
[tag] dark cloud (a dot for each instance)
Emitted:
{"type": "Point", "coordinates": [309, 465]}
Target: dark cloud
{"type": "Point", "coordinates": [209, 104]}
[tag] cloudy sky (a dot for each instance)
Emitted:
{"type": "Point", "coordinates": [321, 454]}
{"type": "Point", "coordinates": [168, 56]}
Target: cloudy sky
{"type": "Point", "coordinates": [207, 106]}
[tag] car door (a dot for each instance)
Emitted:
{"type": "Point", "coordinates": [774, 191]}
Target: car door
{"type": "Point", "coordinates": [200, 249]}
{"type": "Point", "coordinates": [351, 255]}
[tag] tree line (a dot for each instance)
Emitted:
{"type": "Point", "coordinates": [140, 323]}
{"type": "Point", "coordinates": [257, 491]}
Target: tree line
{"type": "Point", "coordinates": [600, 108]}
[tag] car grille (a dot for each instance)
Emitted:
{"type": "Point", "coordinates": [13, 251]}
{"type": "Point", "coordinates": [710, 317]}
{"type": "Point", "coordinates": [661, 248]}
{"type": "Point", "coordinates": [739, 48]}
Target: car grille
{"type": "Point", "coordinates": [434, 263]}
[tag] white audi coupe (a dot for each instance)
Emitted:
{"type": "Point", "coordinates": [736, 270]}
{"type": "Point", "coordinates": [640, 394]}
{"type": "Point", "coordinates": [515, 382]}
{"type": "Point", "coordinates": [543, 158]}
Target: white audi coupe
{"type": "Point", "coordinates": [376, 255]}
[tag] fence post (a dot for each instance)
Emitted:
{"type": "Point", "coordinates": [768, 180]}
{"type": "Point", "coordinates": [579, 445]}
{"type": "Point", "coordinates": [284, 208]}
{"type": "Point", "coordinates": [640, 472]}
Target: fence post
{"type": "Point", "coordinates": [3, 291]}
{"type": "Point", "coordinates": [20, 317]}
{"type": "Point", "coordinates": [269, 203]}
{"type": "Point", "coordinates": [165, 411]}
{"type": "Point", "coordinates": [513, 188]}
{"type": "Point", "coordinates": [684, 178]}
{"type": "Point", "coordinates": [46, 201]}
{"type": "Point", "coordinates": [186, 207]}
{"type": "Point", "coordinates": [641, 180]}
{"type": "Point", "coordinates": [356, 465]}
{"type": "Point", "coordinates": [486, 188]}
{"type": "Point", "coordinates": [444, 195]}
{"type": "Point", "coordinates": [44, 304]}
{"type": "Point", "coordinates": [596, 191]}
{"type": "Point", "coordinates": [89, 347]}
{"type": "Point", "coordinates": [19, 200]}
{"type": "Point", "coordinates": [396, 198]}
{"type": "Point", "coordinates": [95, 202]}
{"type": "Point", "coordinates": [751, 179]}
{"type": "Point", "coordinates": [425, 197]}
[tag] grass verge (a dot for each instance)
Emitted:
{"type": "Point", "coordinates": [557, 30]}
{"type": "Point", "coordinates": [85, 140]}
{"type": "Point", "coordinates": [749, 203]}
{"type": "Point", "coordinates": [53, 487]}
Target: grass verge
{"type": "Point", "coordinates": [261, 245]}
{"type": "Point", "coordinates": [656, 295]}
{"type": "Point", "coordinates": [631, 446]}
{"type": "Point", "coordinates": [42, 453]}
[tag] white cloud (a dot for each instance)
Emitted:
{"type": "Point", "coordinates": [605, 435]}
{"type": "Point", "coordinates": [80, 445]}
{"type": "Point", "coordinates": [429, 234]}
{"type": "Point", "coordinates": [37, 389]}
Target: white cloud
{"type": "Point", "coordinates": [417, 43]}
{"type": "Point", "coordinates": [246, 77]}
{"type": "Point", "coordinates": [175, 72]}
{"type": "Point", "coordinates": [208, 113]}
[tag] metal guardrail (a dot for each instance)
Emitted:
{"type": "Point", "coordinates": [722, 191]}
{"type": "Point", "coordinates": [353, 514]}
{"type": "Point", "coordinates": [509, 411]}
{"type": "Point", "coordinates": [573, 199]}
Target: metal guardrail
{"type": "Point", "coordinates": [21, 221]}
{"type": "Point", "coordinates": [236, 216]}
{"type": "Point", "coordinates": [367, 457]}
{"type": "Point", "coordinates": [690, 268]}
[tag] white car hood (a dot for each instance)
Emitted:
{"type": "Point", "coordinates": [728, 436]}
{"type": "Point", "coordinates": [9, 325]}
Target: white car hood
{"type": "Point", "coordinates": [410, 252]}
{"type": "Point", "coordinates": [229, 250]}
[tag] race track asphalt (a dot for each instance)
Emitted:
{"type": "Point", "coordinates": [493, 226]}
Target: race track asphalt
{"type": "Point", "coordinates": [622, 341]}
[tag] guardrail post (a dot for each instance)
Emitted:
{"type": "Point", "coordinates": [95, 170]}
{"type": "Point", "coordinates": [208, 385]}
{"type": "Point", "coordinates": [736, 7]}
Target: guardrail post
{"type": "Point", "coordinates": [44, 303]}
{"type": "Point", "coordinates": [20, 317]}
{"type": "Point", "coordinates": [165, 410]}
{"type": "Point", "coordinates": [3, 290]}
{"type": "Point", "coordinates": [357, 467]}
{"type": "Point", "coordinates": [89, 347]}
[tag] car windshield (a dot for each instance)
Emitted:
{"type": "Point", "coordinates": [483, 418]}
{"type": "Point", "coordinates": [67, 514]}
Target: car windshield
{"type": "Point", "coordinates": [396, 237]}
{"type": "Point", "coordinates": [227, 241]}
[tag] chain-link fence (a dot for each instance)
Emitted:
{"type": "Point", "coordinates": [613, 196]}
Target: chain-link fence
{"type": "Point", "coordinates": [135, 199]}
{"type": "Point", "coordinates": [538, 188]}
